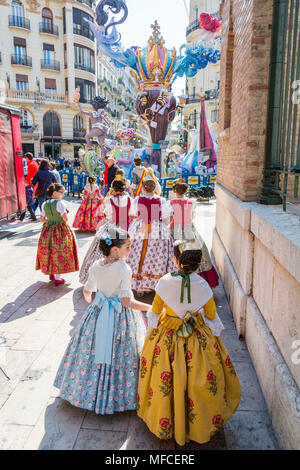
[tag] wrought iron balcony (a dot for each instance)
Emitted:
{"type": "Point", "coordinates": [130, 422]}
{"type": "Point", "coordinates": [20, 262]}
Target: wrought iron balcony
{"type": "Point", "coordinates": [212, 94]}
{"type": "Point", "coordinates": [87, 68]}
{"type": "Point", "coordinates": [49, 28]}
{"type": "Point", "coordinates": [50, 65]}
{"type": "Point", "coordinates": [89, 3]}
{"type": "Point", "coordinates": [83, 30]}
{"type": "Point", "coordinates": [193, 99]}
{"type": "Point", "coordinates": [19, 22]}
{"type": "Point", "coordinates": [21, 60]}
{"type": "Point", "coordinates": [79, 133]}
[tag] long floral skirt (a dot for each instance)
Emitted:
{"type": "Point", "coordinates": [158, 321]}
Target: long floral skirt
{"type": "Point", "coordinates": [150, 257]}
{"type": "Point", "coordinates": [57, 250]}
{"type": "Point", "coordinates": [105, 389]}
{"type": "Point", "coordinates": [89, 214]}
{"type": "Point", "coordinates": [206, 269]}
{"type": "Point", "coordinates": [188, 387]}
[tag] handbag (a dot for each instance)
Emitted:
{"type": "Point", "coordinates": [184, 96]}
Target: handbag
{"type": "Point", "coordinates": [40, 191]}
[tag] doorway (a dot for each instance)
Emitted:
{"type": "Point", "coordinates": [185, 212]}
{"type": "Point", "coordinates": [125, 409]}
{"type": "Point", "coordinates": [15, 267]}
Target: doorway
{"type": "Point", "coordinates": [48, 150]}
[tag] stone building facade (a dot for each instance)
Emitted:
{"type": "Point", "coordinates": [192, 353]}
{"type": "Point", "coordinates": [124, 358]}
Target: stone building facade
{"type": "Point", "coordinates": [207, 80]}
{"type": "Point", "coordinates": [257, 247]}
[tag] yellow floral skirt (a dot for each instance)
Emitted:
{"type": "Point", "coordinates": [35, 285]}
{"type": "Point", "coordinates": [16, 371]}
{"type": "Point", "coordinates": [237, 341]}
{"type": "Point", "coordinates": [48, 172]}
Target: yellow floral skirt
{"type": "Point", "coordinates": [188, 387]}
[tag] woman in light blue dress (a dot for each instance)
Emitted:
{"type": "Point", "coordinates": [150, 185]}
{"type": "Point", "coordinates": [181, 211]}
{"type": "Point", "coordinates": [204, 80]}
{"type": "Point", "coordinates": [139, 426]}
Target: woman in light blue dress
{"type": "Point", "coordinates": [99, 370]}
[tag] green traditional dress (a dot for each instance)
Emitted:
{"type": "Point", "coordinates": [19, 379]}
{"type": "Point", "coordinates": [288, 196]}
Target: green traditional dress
{"type": "Point", "coordinates": [57, 250]}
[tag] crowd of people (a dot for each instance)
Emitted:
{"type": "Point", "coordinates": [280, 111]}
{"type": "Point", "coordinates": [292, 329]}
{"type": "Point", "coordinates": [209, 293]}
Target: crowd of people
{"type": "Point", "coordinates": [168, 363]}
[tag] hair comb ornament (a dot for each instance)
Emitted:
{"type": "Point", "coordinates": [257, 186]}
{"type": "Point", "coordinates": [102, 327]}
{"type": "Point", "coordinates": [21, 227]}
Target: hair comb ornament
{"type": "Point", "coordinates": [108, 240]}
{"type": "Point", "coordinates": [189, 246]}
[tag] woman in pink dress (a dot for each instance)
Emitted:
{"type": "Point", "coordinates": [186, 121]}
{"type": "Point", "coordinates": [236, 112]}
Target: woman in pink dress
{"type": "Point", "coordinates": [182, 226]}
{"type": "Point", "coordinates": [90, 213]}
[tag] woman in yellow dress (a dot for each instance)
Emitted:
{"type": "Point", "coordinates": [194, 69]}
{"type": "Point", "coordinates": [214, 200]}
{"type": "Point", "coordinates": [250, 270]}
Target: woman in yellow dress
{"type": "Point", "coordinates": [188, 387]}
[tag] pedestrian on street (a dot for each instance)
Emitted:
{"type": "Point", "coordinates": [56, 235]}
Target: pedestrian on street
{"type": "Point", "coordinates": [182, 226]}
{"type": "Point", "coordinates": [188, 387]}
{"type": "Point", "coordinates": [109, 173]}
{"type": "Point", "coordinates": [152, 244]}
{"type": "Point", "coordinates": [57, 250]}
{"type": "Point", "coordinates": [32, 168]}
{"type": "Point", "coordinates": [54, 171]}
{"type": "Point", "coordinates": [119, 213]}
{"type": "Point", "coordinates": [44, 177]}
{"type": "Point", "coordinates": [138, 174]}
{"type": "Point", "coordinates": [99, 370]}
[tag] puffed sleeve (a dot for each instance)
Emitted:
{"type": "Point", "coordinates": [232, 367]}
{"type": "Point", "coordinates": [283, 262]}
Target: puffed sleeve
{"type": "Point", "coordinates": [210, 309]}
{"type": "Point", "coordinates": [154, 312]}
{"type": "Point", "coordinates": [126, 282]}
{"type": "Point", "coordinates": [211, 318]}
{"type": "Point", "coordinates": [132, 211]}
{"type": "Point", "coordinates": [165, 208]}
{"type": "Point", "coordinates": [91, 284]}
{"type": "Point", "coordinates": [61, 208]}
{"type": "Point", "coordinates": [107, 208]}
{"type": "Point", "coordinates": [42, 210]}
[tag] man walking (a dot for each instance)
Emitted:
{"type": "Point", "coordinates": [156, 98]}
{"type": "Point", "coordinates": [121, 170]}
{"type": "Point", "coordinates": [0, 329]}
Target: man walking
{"type": "Point", "coordinates": [32, 168]}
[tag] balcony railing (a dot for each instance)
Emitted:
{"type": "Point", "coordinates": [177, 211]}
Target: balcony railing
{"type": "Point", "coordinates": [27, 130]}
{"type": "Point", "coordinates": [79, 133]}
{"type": "Point", "coordinates": [83, 31]}
{"type": "Point", "coordinates": [21, 95]}
{"type": "Point", "coordinates": [89, 3]}
{"type": "Point", "coordinates": [21, 60]}
{"type": "Point", "coordinates": [49, 28]}
{"type": "Point", "coordinates": [87, 68]}
{"type": "Point", "coordinates": [50, 65]}
{"type": "Point", "coordinates": [19, 21]}
{"type": "Point", "coordinates": [212, 94]}
{"type": "Point", "coordinates": [193, 99]}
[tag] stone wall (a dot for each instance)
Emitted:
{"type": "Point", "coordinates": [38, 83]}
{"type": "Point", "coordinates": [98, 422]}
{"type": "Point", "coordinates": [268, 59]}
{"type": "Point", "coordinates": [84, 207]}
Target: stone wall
{"type": "Point", "coordinates": [256, 247]}
{"type": "Point", "coordinates": [257, 252]}
{"type": "Point", "coordinates": [246, 39]}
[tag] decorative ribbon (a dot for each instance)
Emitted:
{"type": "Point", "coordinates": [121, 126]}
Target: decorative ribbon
{"type": "Point", "coordinates": [186, 282]}
{"type": "Point", "coordinates": [140, 184]}
{"type": "Point", "coordinates": [189, 323]}
{"type": "Point", "coordinates": [105, 326]}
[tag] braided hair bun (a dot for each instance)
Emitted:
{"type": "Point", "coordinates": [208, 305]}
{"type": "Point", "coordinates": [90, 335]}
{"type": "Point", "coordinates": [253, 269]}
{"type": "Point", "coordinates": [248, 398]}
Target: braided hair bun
{"type": "Point", "coordinates": [180, 187]}
{"type": "Point", "coordinates": [189, 260]}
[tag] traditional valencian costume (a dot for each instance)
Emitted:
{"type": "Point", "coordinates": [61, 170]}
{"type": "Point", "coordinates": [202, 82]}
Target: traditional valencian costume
{"type": "Point", "coordinates": [152, 244]}
{"type": "Point", "coordinates": [89, 214]}
{"type": "Point", "coordinates": [118, 211]}
{"type": "Point", "coordinates": [57, 251]}
{"type": "Point", "coordinates": [182, 227]}
{"type": "Point", "coordinates": [188, 386]}
{"type": "Point", "coordinates": [99, 370]}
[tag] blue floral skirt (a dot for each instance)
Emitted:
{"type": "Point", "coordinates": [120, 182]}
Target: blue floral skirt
{"type": "Point", "coordinates": [105, 389]}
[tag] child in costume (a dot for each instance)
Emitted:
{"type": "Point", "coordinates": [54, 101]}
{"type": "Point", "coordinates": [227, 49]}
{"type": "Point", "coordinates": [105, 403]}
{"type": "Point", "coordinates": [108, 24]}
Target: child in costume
{"type": "Point", "coordinates": [90, 214]}
{"type": "Point", "coordinates": [57, 251]}
{"type": "Point", "coordinates": [152, 244]}
{"type": "Point", "coordinates": [137, 176]}
{"type": "Point", "coordinates": [99, 370]}
{"type": "Point", "coordinates": [182, 227]}
{"type": "Point", "coordinates": [119, 212]}
{"type": "Point", "coordinates": [188, 387]}
{"type": "Point", "coordinates": [157, 190]}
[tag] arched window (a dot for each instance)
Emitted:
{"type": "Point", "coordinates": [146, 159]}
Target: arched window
{"type": "Point", "coordinates": [47, 20]}
{"type": "Point", "coordinates": [51, 124]}
{"type": "Point", "coordinates": [78, 126]}
{"type": "Point", "coordinates": [26, 120]}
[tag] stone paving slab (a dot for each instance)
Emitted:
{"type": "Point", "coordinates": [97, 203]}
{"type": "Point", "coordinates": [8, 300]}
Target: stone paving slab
{"type": "Point", "coordinates": [36, 322]}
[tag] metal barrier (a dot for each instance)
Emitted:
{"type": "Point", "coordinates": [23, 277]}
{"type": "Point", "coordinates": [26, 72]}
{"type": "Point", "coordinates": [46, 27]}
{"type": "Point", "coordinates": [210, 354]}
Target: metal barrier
{"type": "Point", "coordinates": [192, 180]}
{"type": "Point", "coordinates": [75, 182]}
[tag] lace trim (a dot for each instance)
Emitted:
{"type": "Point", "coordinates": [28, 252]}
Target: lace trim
{"type": "Point", "coordinates": [152, 320]}
{"type": "Point", "coordinates": [215, 325]}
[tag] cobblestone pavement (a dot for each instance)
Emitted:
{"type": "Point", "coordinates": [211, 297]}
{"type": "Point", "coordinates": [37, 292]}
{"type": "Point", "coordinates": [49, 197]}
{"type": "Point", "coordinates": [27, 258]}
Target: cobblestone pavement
{"type": "Point", "coordinates": [36, 321]}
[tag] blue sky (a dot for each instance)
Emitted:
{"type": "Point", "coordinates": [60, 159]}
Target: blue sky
{"type": "Point", "coordinates": [172, 18]}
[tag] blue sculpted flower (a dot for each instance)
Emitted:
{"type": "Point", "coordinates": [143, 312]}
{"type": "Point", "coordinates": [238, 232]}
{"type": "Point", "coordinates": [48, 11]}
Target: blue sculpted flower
{"type": "Point", "coordinates": [108, 240]}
